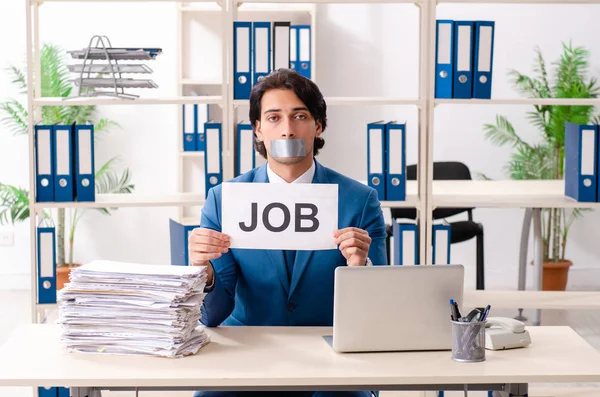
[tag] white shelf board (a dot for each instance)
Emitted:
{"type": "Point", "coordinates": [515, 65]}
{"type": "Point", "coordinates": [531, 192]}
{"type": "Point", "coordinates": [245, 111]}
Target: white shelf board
{"type": "Point", "coordinates": [132, 200]}
{"type": "Point", "coordinates": [522, 1]}
{"type": "Point", "coordinates": [504, 194]}
{"type": "Point", "coordinates": [357, 101]}
{"type": "Point", "coordinates": [334, 1]}
{"type": "Point", "coordinates": [193, 154]}
{"type": "Point", "coordinates": [118, 1]}
{"type": "Point", "coordinates": [412, 197]}
{"type": "Point", "coordinates": [99, 101]}
{"type": "Point", "coordinates": [521, 101]}
{"type": "Point", "coordinates": [512, 299]}
{"type": "Point", "coordinates": [412, 201]}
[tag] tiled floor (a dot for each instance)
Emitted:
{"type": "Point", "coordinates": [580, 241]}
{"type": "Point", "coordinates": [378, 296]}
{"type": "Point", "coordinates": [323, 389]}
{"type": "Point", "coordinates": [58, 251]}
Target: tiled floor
{"type": "Point", "coordinates": [15, 306]}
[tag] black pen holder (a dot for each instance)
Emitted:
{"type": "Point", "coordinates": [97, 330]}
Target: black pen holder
{"type": "Point", "coordinates": [468, 341]}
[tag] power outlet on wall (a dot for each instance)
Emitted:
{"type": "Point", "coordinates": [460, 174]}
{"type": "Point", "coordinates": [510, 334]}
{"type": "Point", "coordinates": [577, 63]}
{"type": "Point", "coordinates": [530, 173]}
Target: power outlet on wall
{"type": "Point", "coordinates": [7, 238]}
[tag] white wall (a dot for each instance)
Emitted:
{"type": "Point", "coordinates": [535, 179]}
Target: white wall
{"type": "Point", "coordinates": [363, 50]}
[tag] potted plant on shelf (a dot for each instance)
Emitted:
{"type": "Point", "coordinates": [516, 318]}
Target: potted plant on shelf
{"type": "Point", "coordinates": [568, 79]}
{"type": "Point", "coordinates": [14, 201]}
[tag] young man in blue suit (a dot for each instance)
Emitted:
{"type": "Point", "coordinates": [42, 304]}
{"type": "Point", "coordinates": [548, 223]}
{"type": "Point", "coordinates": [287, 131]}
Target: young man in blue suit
{"type": "Point", "coordinates": [286, 288]}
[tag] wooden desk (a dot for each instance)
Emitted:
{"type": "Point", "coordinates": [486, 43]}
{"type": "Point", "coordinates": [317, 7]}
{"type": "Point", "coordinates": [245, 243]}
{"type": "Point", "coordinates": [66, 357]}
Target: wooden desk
{"type": "Point", "coordinates": [282, 358]}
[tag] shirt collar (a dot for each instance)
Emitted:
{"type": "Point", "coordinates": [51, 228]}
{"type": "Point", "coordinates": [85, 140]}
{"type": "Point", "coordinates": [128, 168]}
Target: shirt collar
{"type": "Point", "coordinates": [307, 177]}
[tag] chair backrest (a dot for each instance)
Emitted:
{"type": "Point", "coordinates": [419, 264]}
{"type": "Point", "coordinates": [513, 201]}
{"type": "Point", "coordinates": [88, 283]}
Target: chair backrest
{"type": "Point", "coordinates": [442, 170]}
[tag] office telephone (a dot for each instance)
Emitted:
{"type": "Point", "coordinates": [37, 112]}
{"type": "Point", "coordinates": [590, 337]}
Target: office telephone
{"type": "Point", "coordinates": [505, 333]}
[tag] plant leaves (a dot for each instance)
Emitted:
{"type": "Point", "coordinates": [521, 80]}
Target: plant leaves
{"type": "Point", "coordinates": [502, 133]}
{"type": "Point", "coordinates": [14, 204]}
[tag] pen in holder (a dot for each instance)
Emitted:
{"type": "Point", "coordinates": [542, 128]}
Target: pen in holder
{"type": "Point", "coordinates": [468, 341]}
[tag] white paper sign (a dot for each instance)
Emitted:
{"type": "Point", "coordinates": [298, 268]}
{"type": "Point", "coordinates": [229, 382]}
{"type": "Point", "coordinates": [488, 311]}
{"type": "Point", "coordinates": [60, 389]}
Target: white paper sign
{"type": "Point", "coordinates": [296, 216]}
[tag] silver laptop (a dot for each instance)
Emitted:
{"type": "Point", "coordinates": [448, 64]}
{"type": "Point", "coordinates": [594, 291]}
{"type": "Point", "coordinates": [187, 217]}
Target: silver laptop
{"type": "Point", "coordinates": [395, 308]}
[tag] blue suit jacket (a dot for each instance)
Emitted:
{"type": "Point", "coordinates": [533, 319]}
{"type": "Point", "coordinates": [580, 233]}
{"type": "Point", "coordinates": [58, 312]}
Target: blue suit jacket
{"type": "Point", "coordinates": [251, 286]}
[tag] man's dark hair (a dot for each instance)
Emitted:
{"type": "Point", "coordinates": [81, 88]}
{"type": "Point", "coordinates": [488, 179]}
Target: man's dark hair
{"type": "Point", "coordinates": [305, 89]}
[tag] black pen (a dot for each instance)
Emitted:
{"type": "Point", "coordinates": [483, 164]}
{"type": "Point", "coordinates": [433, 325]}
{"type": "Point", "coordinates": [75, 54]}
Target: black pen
{"type": "Point", "coordinates": [455, 311]}
{"type": "Point", "coordinates": [485, 312]}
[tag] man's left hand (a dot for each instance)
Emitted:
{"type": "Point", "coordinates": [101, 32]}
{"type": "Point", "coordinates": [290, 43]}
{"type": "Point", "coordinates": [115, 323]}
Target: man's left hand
{"type": "Point", "coordinates": [354, 244]}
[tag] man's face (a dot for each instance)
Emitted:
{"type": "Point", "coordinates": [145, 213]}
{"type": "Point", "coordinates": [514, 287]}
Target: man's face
{"type": "Point", "coordinates": [284, 116]}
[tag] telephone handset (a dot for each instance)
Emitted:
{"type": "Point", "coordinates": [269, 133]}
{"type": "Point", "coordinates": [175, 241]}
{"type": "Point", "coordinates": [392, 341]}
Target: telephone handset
{"type": "Point", "coordinates": [505, 333]}
{"type": "Point", "coordinates": [509, 324]}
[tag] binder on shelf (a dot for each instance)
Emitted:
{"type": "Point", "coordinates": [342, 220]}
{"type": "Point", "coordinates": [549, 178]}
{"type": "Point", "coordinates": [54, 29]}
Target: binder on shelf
{"type": "Point", "coordinates": [581, 162]}
{"type": "Point", "coordinates": [213, 161]}
{"type": "Point", "coordinates": [46, 262]}
{"type": "Point", "coordinates": [483, 59]}
{"type": "Point", "coordinates": [190, 127]}
{"type": "Point", "coordinates": [179, 234]}
{"type": "Point", "coordinates": [441, 244]}
{"type": "Point", "coordinates": [48, 392]}
{"type": "Point", "coordinates": [376, 157]}
{"type": "Point", "coordinates": [281, 45]}
{"type": "Point", "coordinates": [395, 175]}
{"type": "Point", "coordinates": [64, 392]}
{"type": "Point", "coordinates": [242, 71]}
{"type": "Point", "coordinates": [246, 155]}
{"type": "Point", "coordinates": [261, 53]}
{"type": "Point", "coordinates": [300, 49]}
{"type": "Point", "coordinates": [85, 189]}
{"type": "Point", "coordinates": [202, 116]}
{"type": "Point", "coordinates": [462, 71]}
{"type": "Point", "coordinates": [44, 163]}
{"type": "Point", "coordinates": [63, 163]}
{"type": "Point", "coordinates": [444, 54]}
{"type": "Point", "coordinates": [404, 244]}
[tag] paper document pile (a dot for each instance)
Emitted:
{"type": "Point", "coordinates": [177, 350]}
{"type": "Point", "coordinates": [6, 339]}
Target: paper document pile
{"type": "Point", "coordinates": [129, 308]}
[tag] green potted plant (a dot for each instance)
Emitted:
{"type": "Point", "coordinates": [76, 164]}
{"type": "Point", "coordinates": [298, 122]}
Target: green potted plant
{"type": "Point", "coordinates": [545, 160]}
{"type": "Point", "coordinates": [14, 201]}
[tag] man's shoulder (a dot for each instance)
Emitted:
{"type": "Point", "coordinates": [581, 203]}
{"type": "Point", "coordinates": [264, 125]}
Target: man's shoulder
{"type": "Point", "coordinates": [246, 177]}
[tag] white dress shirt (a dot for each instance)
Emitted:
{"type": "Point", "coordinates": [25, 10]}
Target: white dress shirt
{"type": "Point", "coordinates": [307, 177]}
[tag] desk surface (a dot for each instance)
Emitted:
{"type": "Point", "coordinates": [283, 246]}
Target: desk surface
{"type": "Point", "coordinates": [290, 356]}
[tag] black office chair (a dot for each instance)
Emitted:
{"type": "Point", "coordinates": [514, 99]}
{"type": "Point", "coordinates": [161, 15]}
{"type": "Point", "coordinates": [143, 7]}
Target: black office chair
{"type": "Point", "coordinates": [460, 230]}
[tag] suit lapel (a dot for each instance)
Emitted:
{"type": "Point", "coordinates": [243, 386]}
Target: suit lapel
{"type": "Point", "coordinates": [278, 261]}
{"type": "Point", "coordinates": [261, 175]}
{"type": "Point", "coordinates": [303, 257]}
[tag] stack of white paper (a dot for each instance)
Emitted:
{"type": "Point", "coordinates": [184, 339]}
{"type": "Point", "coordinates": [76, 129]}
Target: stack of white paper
{"type": "Point", "coordinates": [130, 308]}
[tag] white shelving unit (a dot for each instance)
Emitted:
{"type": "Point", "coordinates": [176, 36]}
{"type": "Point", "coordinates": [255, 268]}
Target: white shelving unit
{"type": "Point", "coordinates": [423, 194]}
{"type": "Point", "coordinates": [531, 195]}
{"type": "Point", "coordinates": [206, 18]}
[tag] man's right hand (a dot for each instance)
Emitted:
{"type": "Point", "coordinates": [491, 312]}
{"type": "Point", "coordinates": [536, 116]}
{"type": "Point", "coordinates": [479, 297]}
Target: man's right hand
{"type": "Point", "coordinates": [204, 245]}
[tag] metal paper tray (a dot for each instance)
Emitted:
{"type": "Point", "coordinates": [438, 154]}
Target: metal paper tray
{"type": "Point", "coordinates": [103, 68]}
{"type": "Point", "coordinates": [110, 83]}
{"type": "Point", "coordinates": [119, 54]}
